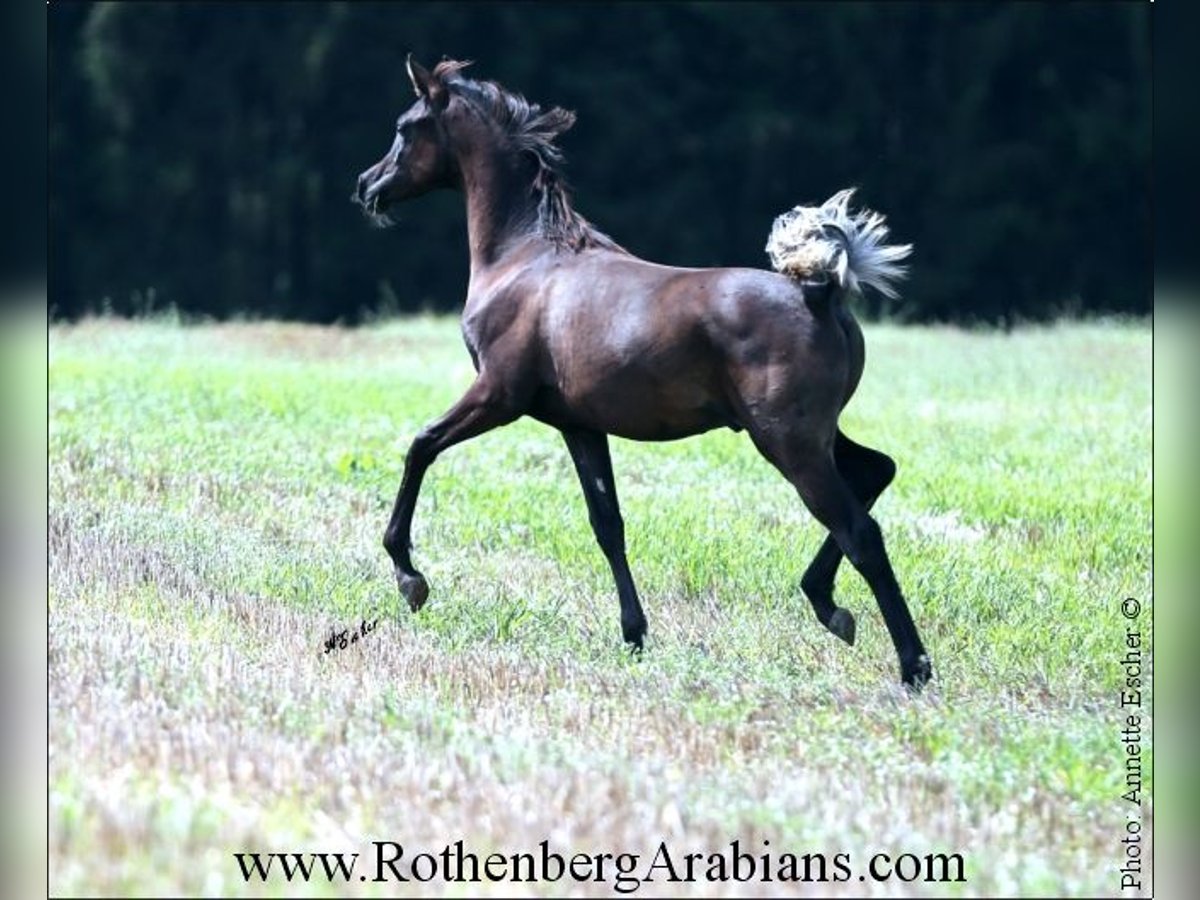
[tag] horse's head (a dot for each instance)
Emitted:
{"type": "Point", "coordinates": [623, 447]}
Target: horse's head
{"type": "Point", "coordinates": [419, 159]}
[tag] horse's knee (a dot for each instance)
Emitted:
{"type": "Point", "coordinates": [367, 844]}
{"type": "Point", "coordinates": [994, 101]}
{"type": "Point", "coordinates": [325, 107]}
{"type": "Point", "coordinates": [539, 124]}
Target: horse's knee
{"type": "Point", "coordinates": [420, 451]}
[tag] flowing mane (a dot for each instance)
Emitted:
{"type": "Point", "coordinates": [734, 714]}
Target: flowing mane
{"type": "Point", "coordinates": [532, 130]}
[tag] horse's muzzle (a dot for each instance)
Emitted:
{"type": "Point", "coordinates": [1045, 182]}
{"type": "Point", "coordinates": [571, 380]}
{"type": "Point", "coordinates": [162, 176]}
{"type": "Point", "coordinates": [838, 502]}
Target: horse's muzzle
{"type": "Point", "coordinates": [360, 189]}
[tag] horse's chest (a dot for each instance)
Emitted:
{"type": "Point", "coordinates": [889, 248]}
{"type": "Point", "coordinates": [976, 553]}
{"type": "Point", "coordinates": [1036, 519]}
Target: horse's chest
{"type": "Point", "coordinates": [494, 324]}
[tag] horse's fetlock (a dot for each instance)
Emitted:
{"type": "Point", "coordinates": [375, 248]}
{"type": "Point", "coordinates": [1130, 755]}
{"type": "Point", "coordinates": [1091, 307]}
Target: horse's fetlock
{"type": "Point", "coordinates": [816, 586]}
{"type": "Point", "coordinates": [633, 627]}
{"type": "Point", "coordinates": [391, 541]}
{"type": "Point", "coordinates": [916, 671]}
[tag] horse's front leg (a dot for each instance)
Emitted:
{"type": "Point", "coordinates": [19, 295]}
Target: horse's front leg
{"type": "Point", "coordinates": [482, 408]}
{"type": "Point", "coordinates": [589, 452]}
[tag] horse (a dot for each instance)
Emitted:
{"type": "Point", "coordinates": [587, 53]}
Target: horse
{"type": "Point", "coordinates": [567, 327]}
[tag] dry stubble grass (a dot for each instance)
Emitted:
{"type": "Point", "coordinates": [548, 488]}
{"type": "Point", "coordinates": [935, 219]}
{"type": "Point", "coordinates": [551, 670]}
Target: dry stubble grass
{"type": "Point", "coordinates": [217, 496]}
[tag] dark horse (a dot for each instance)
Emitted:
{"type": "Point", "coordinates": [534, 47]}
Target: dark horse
{"type": "Point", "coordinates": [566, 326]}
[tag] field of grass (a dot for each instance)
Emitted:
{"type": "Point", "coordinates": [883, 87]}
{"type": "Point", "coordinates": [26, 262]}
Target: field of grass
{"type": "Point", "coordinates": [217, 499]}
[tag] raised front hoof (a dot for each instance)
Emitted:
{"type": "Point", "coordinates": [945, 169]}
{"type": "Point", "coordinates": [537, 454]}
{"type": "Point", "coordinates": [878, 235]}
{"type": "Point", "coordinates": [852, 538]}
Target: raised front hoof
{"type": "Point", "coordinates": [414, 589]}
{"type": "Point", "coordinates": [917, 674]}
{"type": "Point", "coordinates": [841, 623]}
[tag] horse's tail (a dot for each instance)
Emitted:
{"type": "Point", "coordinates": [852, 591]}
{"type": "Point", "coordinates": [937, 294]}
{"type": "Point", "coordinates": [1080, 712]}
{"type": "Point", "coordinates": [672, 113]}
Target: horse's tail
{"type": "Point", "coordinates": [831, 241]}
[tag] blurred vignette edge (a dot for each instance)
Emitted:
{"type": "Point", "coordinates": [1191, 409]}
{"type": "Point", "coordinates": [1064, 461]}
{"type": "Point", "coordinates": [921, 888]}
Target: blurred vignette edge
{"type": "Point", "coordinates": [23, 555]}
{"type": "Point", "coordinates": [1176, 526]}
{"type": "Point", "coordinates": [23, 447]}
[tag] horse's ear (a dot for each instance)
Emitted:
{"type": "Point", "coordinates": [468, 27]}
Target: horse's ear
{"type": "Point", "coordinates": [426, 85]}
{"type": "Point", "coordinates": [418, 75]}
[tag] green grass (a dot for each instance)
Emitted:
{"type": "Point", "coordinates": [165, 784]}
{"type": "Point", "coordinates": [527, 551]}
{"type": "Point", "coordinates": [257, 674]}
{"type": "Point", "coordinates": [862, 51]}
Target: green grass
{"type": "Point", "coordinates": [217, 499]}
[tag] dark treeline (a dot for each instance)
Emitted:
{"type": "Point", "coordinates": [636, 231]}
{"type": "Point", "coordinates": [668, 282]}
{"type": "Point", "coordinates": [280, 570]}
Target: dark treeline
{"type": "Point", "coordinates": [202, 155]}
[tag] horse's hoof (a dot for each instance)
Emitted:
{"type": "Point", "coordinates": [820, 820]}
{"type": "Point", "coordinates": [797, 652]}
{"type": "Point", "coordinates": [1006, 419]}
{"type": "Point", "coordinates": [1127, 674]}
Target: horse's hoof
{"type": "Point", "coordinates": [917, 674]}
{"type": "Point", "coordinates": [414, 589]}
{"type": "Point", "coordinates": [841, 623]}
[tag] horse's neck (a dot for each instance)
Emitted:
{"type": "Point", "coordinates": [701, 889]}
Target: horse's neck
{"type": "Point", "coordinates": [502, 208]}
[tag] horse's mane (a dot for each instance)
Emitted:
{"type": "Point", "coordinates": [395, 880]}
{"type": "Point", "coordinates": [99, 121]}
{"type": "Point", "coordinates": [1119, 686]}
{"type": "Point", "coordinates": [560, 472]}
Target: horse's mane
{"type": "Point", "coordinates": [532, 130]}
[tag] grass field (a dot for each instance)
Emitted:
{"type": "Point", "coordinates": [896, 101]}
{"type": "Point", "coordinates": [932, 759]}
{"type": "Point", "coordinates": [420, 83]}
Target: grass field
{"type": "Point", "coordinates": [217, 499]}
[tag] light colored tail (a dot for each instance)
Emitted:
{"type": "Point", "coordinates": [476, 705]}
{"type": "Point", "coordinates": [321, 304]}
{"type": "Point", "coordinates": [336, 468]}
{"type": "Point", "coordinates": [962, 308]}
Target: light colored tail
{"type": "Point", "coordinates": [831, 240]}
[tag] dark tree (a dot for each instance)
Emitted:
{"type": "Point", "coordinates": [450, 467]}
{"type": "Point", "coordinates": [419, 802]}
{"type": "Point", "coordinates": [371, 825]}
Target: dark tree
{"type": "Point", "coordinates": [202, 155]}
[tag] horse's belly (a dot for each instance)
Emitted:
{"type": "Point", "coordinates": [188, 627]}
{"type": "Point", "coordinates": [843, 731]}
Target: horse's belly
{"type": "Point", "coordinates": [631, 364]}
{"type": "Point", "coordinates": [643, 406]}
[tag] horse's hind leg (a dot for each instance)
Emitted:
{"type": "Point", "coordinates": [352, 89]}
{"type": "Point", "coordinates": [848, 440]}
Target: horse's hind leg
{"type": "Point", "coordinates": [809, 465]}
{"type": "Point", "coordinates": [589, 452]}
{"type": "Point", "coordinates": [868, 473]}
